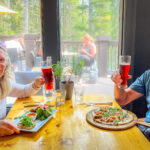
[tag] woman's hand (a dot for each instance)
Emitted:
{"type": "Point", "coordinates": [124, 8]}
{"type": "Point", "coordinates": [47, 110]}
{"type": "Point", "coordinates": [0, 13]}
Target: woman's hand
{"type": "Point", "coordinates": [6, 128]}
{"type": "Point", "coordinates": [82, 51]}
{"type": "Point", "coordinates": [38, 82]}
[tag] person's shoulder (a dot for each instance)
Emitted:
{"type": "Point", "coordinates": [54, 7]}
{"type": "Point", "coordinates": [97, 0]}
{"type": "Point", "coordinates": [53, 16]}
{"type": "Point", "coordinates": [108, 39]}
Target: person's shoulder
{"type": "Point", "coordinates": [147, 72]}
{"type": "Point", "coordinates": [93, 44]}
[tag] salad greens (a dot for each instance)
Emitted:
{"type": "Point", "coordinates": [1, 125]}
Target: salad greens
{"type": "Point", "coordinates": [43, 114]}
{"type": "Point", "coordinates": [26, 121]}
{"type": "Point", "coordinates": [106, 114]}
{"type": "Point", "coordinates": [18, 117]}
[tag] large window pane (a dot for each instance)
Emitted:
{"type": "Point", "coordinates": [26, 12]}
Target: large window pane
{"type": "Point", "coordinates": [99, 19]}
{"type": "Point", "coordinates": [20, 33]}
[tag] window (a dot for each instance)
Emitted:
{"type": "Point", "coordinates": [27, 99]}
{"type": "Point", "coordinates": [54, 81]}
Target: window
{"type": "Point", "coordinates": [98, 22]}
{"type": "Point", "coordinates": [20, 33]}
{"type": "Point", "coordinates": [98, 18]}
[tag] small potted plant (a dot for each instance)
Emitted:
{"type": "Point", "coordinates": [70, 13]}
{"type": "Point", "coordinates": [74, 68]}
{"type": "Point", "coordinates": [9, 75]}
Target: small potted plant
{"type": "Point", "coordinates": [57, 69]}
{"type": "Point", "coordinates": [65, 74]}
{"type": "Point", "coordinates": [70, 72]}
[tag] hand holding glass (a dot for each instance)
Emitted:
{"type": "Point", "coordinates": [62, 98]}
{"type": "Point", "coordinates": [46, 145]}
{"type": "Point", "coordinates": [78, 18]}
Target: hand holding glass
{"type": "Point", "coordinates": [124, 67]}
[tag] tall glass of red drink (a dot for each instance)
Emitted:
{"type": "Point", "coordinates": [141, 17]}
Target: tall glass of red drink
{"type": "Point", "coordinates": [47, 72]}
{"type": "Point", "coordinates": [48, 76]}
{"type": "Point", "coordinates": [124, 67]}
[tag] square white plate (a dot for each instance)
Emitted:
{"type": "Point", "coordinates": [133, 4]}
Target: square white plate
{"type": "Point", "coordinates": [38, 125]}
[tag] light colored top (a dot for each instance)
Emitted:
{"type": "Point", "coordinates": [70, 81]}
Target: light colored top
{"type": "Point", "coordinates": [18, 90]}
{"type": "Point", "coordinates": [88, 47]}
{"type": "Point", "coordinates": [69, 130]}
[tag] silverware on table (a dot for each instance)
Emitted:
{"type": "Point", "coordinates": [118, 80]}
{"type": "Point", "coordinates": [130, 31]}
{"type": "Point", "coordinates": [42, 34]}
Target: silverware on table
{"type": "Point", "coordinates": [31, 105]}
{"type": "Point", "coordinates": [84, 103]}
{"type": "Point", "coordinates": [30, 102]}
{"type": "Point", "coordinates": [34, 105]}
{"type": "Point", "coordinates": [96, 103]}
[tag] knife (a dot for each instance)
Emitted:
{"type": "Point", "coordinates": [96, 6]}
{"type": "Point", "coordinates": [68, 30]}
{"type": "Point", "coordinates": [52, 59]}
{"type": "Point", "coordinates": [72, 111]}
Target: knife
{"type": "Point", "coordinates": [30, 102]}
{"type": "Point", "coordinates": [96, 103]}
{"type": "Point", "coordinates": [34, 105]}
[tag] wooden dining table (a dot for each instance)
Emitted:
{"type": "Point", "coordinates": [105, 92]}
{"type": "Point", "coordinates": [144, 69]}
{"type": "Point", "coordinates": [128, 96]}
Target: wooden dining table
{"type": "Point", "coordinates": [69, 130]}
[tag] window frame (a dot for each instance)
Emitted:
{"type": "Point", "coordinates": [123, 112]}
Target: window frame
{"type": "Point", "coordinates": [50, 24]}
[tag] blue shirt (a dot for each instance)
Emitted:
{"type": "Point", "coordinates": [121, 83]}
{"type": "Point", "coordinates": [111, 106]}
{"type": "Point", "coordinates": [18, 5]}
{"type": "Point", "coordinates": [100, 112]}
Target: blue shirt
{"type": "Point", "coordinates": [142, 85]}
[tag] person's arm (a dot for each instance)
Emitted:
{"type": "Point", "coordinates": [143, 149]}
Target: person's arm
{"type": "Point", "coordinates": [21, 41]}
{"type": "Point", "coordinates": [22, 91]}
{"type": "Point", "coordinates": [123, 96]}
{"type": "Point", "coordinates": [6, 128]}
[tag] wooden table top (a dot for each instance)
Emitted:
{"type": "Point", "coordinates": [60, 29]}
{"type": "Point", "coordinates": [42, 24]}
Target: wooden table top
{"type": "Point", "coordinates": [69, 130]}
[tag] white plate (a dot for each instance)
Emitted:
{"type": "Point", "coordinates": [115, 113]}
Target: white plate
{"type": "Point", "coordinates": [39, 123]}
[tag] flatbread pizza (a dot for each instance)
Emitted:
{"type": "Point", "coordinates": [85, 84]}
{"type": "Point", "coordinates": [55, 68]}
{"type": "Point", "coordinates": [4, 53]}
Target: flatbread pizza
{"type": "Point", "coordinates": [114, 116]}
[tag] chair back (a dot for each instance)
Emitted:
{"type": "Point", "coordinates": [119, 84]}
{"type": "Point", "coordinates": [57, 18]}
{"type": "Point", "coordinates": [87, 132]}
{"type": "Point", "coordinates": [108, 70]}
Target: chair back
{"type": "Point", "coordinates": [13, 55]}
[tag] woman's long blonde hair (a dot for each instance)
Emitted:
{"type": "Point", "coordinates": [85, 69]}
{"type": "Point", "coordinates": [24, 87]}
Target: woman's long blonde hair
{"type": "Point", "coordinates": [5, 80]}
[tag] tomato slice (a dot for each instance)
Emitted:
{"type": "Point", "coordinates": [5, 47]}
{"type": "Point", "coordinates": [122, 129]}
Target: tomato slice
{"type": "Point", "coordinates": [110, 118]}
{"type": "Point", "coordinates": [32, 110]}
{"type": "Point", "coordinates": [106, 110]}
{"type": "Point", "coordinates": [45, 107]}
{"type": "Point", "coordinates": [98, 112]}
{"type": "Point", "coordinates": [113, 117]}
{"type": "Point", "coordinates": [31, 114]}
{"type": "Point", "coordinates": [39, 106]}
{"type": "Point", "coordinates": [118, 113]}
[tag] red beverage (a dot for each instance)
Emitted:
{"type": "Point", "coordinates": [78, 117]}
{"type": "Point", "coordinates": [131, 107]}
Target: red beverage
{"type": "Point", "coordinates": [124, 70]}
{"type": "Point", "coordinates": [48, 76]}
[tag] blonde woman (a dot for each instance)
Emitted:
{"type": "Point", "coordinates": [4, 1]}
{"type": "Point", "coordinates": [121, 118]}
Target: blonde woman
{"type": "Point", "coordinates": [88, 50]}
{"type": "Point", "coordinates": [9, 88]}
